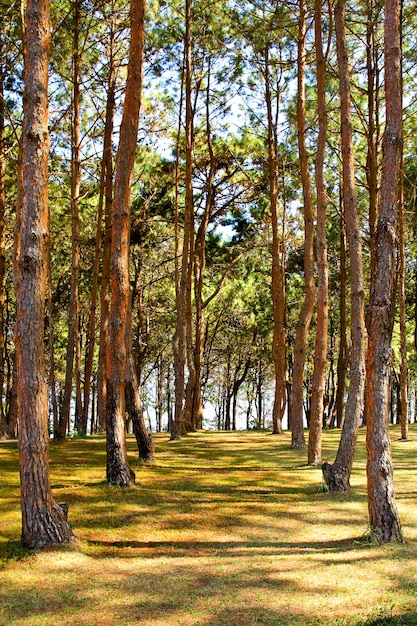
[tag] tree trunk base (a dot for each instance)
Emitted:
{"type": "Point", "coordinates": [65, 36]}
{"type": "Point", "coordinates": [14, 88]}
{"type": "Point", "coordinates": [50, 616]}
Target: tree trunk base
{"type": "Point", "coordinates": [49, 528]}
{"type": "Point", "coordinates": [335, 478]}
{"type": "Point", "coordinates": [121, 476]}
{"type": "Point", "coordinates": [146, 447]}
{"type": "Point", "coordinates": [175, 436]}
{"type": "Point", "coordinates": [298, 445]}
{"type": "Point", "coordinates": [144, 439]}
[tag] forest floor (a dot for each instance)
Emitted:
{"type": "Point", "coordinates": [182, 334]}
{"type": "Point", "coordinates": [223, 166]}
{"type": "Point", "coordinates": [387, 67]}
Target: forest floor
{"type": "Point", "coordinates": [224, 529]}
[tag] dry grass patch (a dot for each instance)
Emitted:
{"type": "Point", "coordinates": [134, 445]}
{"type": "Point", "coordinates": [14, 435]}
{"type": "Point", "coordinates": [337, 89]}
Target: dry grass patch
{"type": "Point", "coordinates": [225, 529]}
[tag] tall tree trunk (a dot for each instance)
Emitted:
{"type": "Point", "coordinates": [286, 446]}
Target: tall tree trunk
{"type": "Point", "coordinates": [415, 309]}
{"type": "Point", "coordinates": [320, 351]}
{"type": "Point", "coordinates": [330, 392]}
{"type": "Point", "coordinates": [383, 514]}
{"type": "Point", "coordinates": [75, 202]}
{"type": "Point", "coordinates": [144, 439]}
{"type": "Point", "coordinates": [192, 375]}
{"type": "Point", "coordinates": [3, 425]}
{"type": "Point", "coordinates": [259, 396]}
{"type": "Point", "coordinates": [373, 123]}
{"type": "Point", "coordinates": [403, 382]}
{"type": "Point", "coordinates": [373, 134]}
{"type": "Point", "coordinates": [342, 361]}
{"type": "Point", "coordinates": [199, 267]}
{"type": "Point", "coordinates": [279, 341]}
{"type": "Point", "coordinates": [105, 271]}
{"type": "Point", "coordinates": [91, 330]}
{"type": "Point", "coordinates": [43, 520]}
{"type": "Point", "coordinates": [227, 394]}
{"type": "Point", "coordinates": [118, 470]}
{"type": "Point", "coordinates": [188, 285]}
{"type": "Point", "coordinates": [169, 397]}
{"type": "Point", "coordinates": [105, 199]}
{"type": "Point", "coordinates": [337, 476]}
{"type": "Point", "coordinates": [301, 336]}
{"type": "Point", "coordinates": [199, 272]}
{"type": "Point", "coordinates": [237, 383]}
{"type": "Point", "coordinates": [51, 335]}
{"type": "Point", "coordinates": [12, 405]}
{"type": "Point", "coordinates": [159, 394]}
{"type": "Point", "coordinates": [82, 428]}
{"type": "Point", "coordinates": [180, 341]}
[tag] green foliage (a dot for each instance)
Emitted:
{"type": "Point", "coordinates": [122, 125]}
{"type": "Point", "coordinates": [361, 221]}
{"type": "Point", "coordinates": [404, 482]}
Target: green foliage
{"type": "Point", "coordinates": [231, 43]}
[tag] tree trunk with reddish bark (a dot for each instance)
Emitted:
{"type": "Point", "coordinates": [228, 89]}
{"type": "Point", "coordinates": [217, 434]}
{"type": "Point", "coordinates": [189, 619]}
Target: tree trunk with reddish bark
{"type": "Point", "coordinates": [105, 200]}
{"type": "Point", "coordinates": [12, 407]}
{"type": "Point", "coordinates": [184, 286]}
{"type": "Point", "coordinates": [105, 272]}
{"type": "Point", "coordinates": [199, 268]}
{"type": "Point", "coordinates": [118, 470]}
{"type": "Point", "coordinates": [72, 342]}
{"type": "Point", "coordinates": [301, 337]}
{"type": "Point", "coordinates": [144, 439]}
{"type": "Point", "coordinates": [372, 65]}
{"type": "Point", "coordinates": [403, 382]}
{"type": "Point", "coordinates": [43, 520]}
{"type": "Point", "coordinates": [342, 361]}
{"type": "Point", "coordinates": [337, 476]}
{"type": "Point", "coordinates": [383, 513]}
{"type": "Point", "coordinates": [3, 424]}
{"type": "Point", "coordinates": [279, 341]}
{"type": "Point", "coordinates": [320, 350]}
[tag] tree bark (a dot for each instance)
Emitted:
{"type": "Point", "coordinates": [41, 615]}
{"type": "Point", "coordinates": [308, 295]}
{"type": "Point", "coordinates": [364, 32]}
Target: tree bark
{"type": "Point", "coordinates": [237, 383]}
{"type": "Point", "coordinates": [159, 395]}
{"type": "Point", "coordinates": [3, 425]}
{"type": "Point", "coordinates": [105, 272]}
{"type": "Point", "coordinates": [43, 520]}
{"type": "Point", "coordinates": [337, 476]}
{"type": "Point", "coordinates": [75, 202]}
{"type": "Point", "coordinates": [118, 470]}
{"type": "Point", "coordinates": [279, 341]}
{"type": "Point", "coordinates": [383, 514]}
{"type": "Point", "coordinates": [320, 350]}
{"type": "Point", "coordinates": [403, 381]}
{"type": "Point", "coordinates": [180, 340]}
{"type": "Point", "coordinates": [300, 344]}
{"type": "Point", "coordinates": [12, 406]}
{"type": "Point", "coordinates": [51, 337]}
{"type": "Point", "coordinates": [199, 267]}
{"type": "Point", "coordinates": [105, 198]}
{"type": "Point", "coordinates": [373, 124]}
{"type": "Point", "coordinates": [144, 439]}
{"type": "Point", "coordinates": [342, 361]}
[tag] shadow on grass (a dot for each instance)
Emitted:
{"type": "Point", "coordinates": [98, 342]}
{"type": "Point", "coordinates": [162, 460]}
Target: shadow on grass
{"type": "Point", "coordinates": [13, 551]}
{"type": "Point", "coordinates": [267, 617]}
{"type": "Point", "coordinates": [237, 549]}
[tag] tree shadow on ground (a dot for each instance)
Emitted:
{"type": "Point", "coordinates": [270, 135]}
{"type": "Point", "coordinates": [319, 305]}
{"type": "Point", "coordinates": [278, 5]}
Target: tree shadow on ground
{"type": "Point", "coordinates": [156, 549]}
{"type": "Point", "coordinates": [13, 551]}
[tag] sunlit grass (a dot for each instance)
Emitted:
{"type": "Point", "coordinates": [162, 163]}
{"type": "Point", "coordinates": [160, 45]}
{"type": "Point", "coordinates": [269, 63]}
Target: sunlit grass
{"type": "Point", "coordinates": [225, 529]}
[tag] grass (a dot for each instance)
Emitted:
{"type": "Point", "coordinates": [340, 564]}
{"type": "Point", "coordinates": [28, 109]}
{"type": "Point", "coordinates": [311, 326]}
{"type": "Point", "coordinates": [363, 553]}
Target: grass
{"type": "Point", "coordinates": [225, 529]}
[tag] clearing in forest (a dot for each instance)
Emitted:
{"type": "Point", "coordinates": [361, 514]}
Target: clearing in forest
{"type": "Point", "coordinates": [225, 529]}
